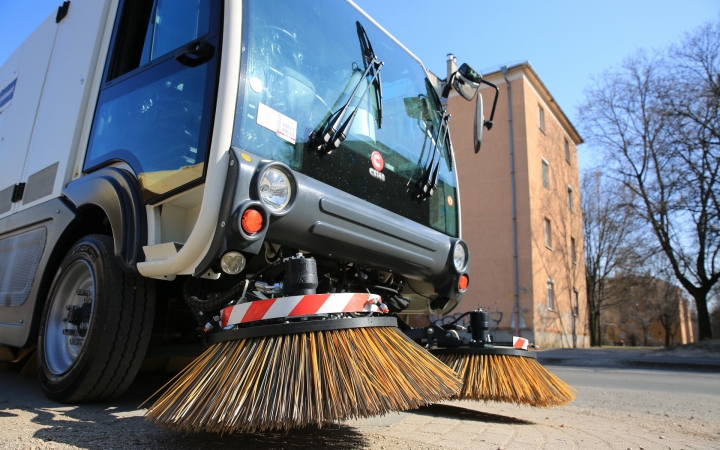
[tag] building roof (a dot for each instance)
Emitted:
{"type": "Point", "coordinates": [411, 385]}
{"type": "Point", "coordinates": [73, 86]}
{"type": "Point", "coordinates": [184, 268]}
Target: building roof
{"type": "Point", "coordinates": [534, 78]}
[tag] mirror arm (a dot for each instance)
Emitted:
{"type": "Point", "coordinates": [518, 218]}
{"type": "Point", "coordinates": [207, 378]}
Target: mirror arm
{"type": "Point", "coordinates": [448, 86]}
{"type": "Point", "coordinates": [489, 123]}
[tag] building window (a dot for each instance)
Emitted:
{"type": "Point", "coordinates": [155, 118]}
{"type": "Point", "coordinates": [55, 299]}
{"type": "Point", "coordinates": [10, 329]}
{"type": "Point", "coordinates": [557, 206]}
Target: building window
{"type": "Point", "coordinates": [576, 302]}
{"type": "Point", "coordinates": [567, 151]}
{"type": "Point", "coordinates": [548, 234]}
{"type": "Point", "coordinates": [546, 173]}
{"type": "Point", "coordinates": [570, 199]}
{"type": "Point", "coordinates": [550, 294]}
{"type": "Point", "coordinates": [573, 256]}
{"type": "Point", "coordinates": [541, 118]}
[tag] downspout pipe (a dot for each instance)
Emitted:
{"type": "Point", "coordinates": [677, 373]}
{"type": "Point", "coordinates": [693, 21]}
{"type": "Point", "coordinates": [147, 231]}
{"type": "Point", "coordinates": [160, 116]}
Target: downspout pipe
{"type": "Point", "coordinates": [516, 283]}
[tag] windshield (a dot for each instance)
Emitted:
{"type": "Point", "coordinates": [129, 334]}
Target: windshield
{"type": "Point", "coordinates": [301, 64]}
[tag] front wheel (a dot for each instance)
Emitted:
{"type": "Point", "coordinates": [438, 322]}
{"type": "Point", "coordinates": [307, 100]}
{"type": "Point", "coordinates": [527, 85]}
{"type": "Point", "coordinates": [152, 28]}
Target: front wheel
{"type": "Point", "coordinates": [95, 327]}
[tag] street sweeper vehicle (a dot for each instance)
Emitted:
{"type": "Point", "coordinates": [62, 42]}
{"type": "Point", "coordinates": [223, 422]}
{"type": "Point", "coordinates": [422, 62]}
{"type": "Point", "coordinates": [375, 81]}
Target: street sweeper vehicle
{"type": "Point", "coordinates": [272, 178]}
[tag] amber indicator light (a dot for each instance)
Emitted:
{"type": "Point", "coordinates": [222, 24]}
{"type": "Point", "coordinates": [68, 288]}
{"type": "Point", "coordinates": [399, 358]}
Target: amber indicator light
{"type": "Point", "coordinates": [252, 221]}
{"type": "Point", "coordinates": [464, 282]}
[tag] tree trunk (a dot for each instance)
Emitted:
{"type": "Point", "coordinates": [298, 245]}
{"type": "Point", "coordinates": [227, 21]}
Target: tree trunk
{"type": "Point", "coordinates": [705, 330]}
{"type": "Point", "coordinates": [595, 329]}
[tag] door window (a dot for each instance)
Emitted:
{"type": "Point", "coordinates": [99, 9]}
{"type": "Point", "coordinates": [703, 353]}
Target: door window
{"type": "Point", "coordinates": [154, 110]}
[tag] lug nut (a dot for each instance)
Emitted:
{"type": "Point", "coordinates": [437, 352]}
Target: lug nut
{"type": "Point", "coordinates": [69, 332]}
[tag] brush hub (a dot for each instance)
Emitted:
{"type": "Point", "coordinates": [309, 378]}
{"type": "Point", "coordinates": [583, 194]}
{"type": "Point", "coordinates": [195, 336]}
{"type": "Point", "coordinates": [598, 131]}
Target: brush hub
{"type": "Point", "coordinates": [302, 326]}
{"type": "Point", "coordinates": [484, 351]}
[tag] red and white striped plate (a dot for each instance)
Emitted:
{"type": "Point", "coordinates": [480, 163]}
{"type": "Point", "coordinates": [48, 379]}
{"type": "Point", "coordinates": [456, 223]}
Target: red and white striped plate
{"type": "Point", "coordinates": [300, 305]}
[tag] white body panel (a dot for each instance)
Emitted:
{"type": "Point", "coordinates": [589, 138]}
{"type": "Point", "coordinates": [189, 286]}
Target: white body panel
{"type": "Point", "coordinates": [28, 64]}
{"type": "Point", "coordinates": [66, 91]}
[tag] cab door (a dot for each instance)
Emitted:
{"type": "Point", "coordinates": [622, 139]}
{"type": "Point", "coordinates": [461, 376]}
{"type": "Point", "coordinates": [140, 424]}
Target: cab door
{"type": "Point", "coordinates": [156, 104]}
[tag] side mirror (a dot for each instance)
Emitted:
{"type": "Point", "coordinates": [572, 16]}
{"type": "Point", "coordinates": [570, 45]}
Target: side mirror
{"type": "Point", "coordinates": [479, 122]}
{"type": "Point", "coordinates": [466, 82]}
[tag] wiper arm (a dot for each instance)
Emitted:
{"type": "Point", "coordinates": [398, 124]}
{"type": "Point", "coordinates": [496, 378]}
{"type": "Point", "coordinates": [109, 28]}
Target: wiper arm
{"type": "Point", "coordinates": [428, 182]}
{"type": "Point", "coordinates": [369, 56]}
{"type": "Point", "coordinates": [335, 130]}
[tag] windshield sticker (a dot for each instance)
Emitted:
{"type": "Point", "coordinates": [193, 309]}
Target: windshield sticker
{"type": "Point", "coordinates": [282, 125]}
{"type": "Point", "coordinates": [6, 95]}
{"type": "Point", "coordinates": [377, 161]}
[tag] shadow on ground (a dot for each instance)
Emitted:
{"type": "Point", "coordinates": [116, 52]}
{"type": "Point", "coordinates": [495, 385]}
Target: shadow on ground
{"type": "Point", "coordinates": [458, 412]}
{"type": "Point", "coordinates": [119, 424]}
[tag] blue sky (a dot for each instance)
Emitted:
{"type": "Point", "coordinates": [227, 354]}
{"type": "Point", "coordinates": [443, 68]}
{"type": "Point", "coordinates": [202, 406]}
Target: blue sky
{"type": "Point", "coordinates": [566, 41]}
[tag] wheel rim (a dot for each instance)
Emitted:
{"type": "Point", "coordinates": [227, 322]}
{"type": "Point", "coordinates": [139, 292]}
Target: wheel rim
{"type": "Point", "coordinates": [70, 316]}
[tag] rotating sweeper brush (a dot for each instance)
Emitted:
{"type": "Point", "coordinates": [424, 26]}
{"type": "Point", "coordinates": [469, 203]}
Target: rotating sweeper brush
{"type": "Point", "coordinates": [303, 359]}
{"type": "Point", "coordinates": [498, 371]}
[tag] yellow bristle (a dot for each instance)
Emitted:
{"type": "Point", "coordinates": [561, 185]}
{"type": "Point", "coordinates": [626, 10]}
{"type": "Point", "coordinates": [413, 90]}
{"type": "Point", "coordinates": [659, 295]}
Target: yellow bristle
{"type": "Point", "coordinates": [506, 378]}
{"type": "Point", "coordinates": [288, 381]}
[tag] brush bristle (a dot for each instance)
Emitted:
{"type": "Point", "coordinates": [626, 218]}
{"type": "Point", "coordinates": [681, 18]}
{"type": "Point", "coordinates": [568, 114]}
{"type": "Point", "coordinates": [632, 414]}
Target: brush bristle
{"type": "Point", "coordinates": [289, 381]}
{"type": "Point", "coordinates": [511, 379]}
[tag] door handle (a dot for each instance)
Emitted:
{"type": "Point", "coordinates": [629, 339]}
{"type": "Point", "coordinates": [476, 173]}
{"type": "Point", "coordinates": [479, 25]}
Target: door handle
{"type": "Point", "coordinates": [195, 53]}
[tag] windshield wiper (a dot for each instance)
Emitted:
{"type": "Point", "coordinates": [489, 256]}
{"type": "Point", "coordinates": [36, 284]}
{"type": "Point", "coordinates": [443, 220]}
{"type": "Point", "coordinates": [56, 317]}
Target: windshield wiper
{"type": "Point", "coordinates": [428, 182]}
{"type": "Point", "coordinates": [335, 129]}
{"type": "Point", "coordinates": [369, 56]}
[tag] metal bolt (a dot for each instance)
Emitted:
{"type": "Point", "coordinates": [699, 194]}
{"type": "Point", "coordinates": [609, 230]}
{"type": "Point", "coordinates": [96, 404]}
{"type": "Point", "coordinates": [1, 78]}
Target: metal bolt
{"type": "Point", "coordinates": [430, 331]}
{"type": "Point", "coordinates": [82, 80]}
{"type": "Point", "coordinates": [83, 325]}
{"type": "Point", "coordinates": [22, 321]}
{"type": "Point", "coordinates": [69, 332]}
{"type": "Point", "coordinates": [222, 224]}
{"type": "Point", "coordinates": [76, 341]}
{"type": "Point", "coordinates": [232, 162]}
{"type": "Point", "coordinates": [83, 292]}
{"type": "Point", "coordinates": [448, 335]}
{"type": "Point", "coordinates": [87, 300]}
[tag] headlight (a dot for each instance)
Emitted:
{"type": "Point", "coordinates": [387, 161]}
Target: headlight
{"type": "Point", "coordinates": [459, 256]}
{"type": "Point", "coordinates": [275, 189]}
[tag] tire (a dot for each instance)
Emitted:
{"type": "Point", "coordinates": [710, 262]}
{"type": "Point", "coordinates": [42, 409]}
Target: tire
{"type": "Point", "coordinates": [107, 315]}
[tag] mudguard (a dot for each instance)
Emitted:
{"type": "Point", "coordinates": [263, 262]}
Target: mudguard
{"type": "Point", "coordinates": [117, 192]}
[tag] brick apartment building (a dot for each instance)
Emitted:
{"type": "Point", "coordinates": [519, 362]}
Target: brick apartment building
{"type": "Point", "coordinates": [540, 267]}
{"type": "Point", "coordinates": [637, 306]}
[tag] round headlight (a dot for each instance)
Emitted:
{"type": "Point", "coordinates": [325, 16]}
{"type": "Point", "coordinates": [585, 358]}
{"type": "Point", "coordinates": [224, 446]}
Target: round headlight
{"type": "Point", "coordinates": [232, 263]}
{"type": "Point", "coordinates": [459, 256]}
{"type": "Point", "coordinates": [275, 189]}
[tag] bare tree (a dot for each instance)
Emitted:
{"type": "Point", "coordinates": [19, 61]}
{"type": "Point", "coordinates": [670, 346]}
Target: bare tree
{"type": "Point", "coordinates": [657, 121]}
{"type": "Point", "coordinates": [608, 225]}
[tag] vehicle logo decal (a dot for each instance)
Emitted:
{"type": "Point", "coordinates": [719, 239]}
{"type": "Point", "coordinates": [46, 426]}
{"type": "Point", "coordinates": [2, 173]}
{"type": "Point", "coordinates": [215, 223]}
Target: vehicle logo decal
{"type": "Point", "coordinates": [379, 175]}
{"type": "Point", "coordinates": [377, 161]}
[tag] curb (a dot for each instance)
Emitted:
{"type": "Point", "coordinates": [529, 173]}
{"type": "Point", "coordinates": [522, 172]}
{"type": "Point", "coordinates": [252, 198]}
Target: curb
{"type": "Point", "coordinates": [638, 363]}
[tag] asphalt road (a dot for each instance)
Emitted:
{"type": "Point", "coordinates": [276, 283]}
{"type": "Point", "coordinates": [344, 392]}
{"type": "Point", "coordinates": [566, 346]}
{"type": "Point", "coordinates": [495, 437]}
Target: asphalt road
{"type": "Point", "coordinates": [616, 408]}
